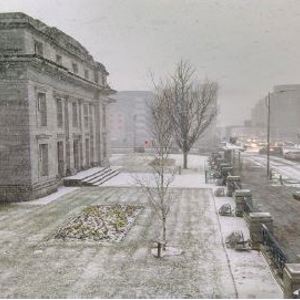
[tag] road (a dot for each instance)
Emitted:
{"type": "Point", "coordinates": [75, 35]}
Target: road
{"type": "Point", "coordinates": [270, 196]}
{"type": "Point", "coordinates": [290, 170]}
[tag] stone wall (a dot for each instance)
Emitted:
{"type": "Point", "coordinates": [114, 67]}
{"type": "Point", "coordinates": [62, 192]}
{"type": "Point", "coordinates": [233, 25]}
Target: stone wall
{"type": "Point", "coordinates": [24, 75]}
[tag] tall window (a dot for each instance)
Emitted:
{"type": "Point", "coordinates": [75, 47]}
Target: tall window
{"type": "Point", "coordinates": [91, 116]}
{"type": "Point", "coordinates": [75, 68]}
{"type": "Point", "coordinates": [43, 159]}
{"type": "Point", "coordinates": [42, 108]}
{"type": "Point", "coordinates": [74, 114]}
{"type": "Point", "coordinates": [86, 115]}
{"type": "Point", "coordinates": [38, 48]}
{"type": "Point", "coordinates": [80, 114]}
{"type": "Point", "coordinates": [59, 111]}
{"type": "Point", "coordinates": [58, 59]}
{"type": "Point", "coordinates": [96, 77]}
{"type": "Point", "coordinates": [103, 77]}
{"type": "Point", "coordinates": [86, 74]}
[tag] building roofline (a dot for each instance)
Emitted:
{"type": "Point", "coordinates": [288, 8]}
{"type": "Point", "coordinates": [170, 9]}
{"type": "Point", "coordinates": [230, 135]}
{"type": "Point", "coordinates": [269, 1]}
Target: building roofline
{"type": "Point", "coordinates": [63, 40]}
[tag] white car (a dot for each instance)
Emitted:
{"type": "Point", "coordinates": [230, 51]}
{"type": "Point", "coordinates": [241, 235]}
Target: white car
{"type": "Point", "coordinates": [293, 155]}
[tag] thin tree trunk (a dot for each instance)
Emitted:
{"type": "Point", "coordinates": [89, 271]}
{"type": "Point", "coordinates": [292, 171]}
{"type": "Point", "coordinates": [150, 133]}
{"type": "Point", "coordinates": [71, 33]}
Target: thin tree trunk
{"type": "Point", "coordinates": [185, 155]}
{"type": "Point", "coordinates": [164, 232]}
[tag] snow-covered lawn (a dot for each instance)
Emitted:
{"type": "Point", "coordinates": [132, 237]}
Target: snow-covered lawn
{"type": "Point", "coordinates": [35, 265]}
{"type": "Point", "coordinates": [193, 177]}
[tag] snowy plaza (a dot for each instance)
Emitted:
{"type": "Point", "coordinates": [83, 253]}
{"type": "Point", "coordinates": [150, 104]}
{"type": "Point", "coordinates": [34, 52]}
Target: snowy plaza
{"type": "Point", "coordinates": [35, 264]}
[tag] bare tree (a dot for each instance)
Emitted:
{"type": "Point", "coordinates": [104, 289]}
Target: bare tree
{"type": "Point", "coordinates": [156, 187]}
{"type": "Point", "coordinates": [192, 106]}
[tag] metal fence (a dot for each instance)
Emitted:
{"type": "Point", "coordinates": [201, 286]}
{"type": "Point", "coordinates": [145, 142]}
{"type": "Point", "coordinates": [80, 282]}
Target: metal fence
{"type": "Point", "coordinates": [272, 246]}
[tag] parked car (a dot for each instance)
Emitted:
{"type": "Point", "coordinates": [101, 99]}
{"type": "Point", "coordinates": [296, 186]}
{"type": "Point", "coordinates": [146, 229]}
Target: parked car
{"type": "Point", "coordinates": [292, 155]}
{"type": "Point", "coordinates": [274, 150]}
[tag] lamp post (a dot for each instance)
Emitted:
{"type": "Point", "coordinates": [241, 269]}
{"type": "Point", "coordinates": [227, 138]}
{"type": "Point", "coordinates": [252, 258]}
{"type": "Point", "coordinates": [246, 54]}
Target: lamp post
{"type": "Point", "coordinates": [268, 134]}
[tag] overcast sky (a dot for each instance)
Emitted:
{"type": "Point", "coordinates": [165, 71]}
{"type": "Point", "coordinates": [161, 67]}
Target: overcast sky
{"type": "Point", "coordinates": [247, 46]}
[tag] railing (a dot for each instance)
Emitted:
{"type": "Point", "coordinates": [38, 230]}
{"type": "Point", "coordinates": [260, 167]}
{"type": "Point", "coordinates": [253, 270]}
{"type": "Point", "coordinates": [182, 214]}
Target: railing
{"type": "Point", "coordinates": [237, 185]}
{"type": "Point", "coordinates": [277, 254]}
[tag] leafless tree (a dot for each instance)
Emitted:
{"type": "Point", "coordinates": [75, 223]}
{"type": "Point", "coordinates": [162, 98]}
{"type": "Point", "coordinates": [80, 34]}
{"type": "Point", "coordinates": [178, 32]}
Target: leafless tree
{"type": "Point", "coordinates": [156, 186]}
{"type": "Point", "coordinates": [192, 106]}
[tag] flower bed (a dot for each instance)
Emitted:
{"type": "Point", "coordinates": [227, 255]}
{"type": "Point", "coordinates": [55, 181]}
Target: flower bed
{"type": "Point", "coordinates": [100, 222]}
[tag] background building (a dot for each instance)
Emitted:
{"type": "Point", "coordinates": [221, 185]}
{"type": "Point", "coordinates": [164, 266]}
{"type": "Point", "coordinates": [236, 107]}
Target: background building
{"type": "Point", "coordinates": [53, 99]}
{"type": "Point", "coordinates": [285, 112]}
{"type": "Point", "coordinates": [130, 121]}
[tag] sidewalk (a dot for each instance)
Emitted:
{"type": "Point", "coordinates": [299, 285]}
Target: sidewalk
{"type": "Point", "coordinates": [252, 275]}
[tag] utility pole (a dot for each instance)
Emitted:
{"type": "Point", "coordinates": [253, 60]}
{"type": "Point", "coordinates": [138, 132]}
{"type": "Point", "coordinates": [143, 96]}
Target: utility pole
{"type": "Point", "coordinates": [268, 134]}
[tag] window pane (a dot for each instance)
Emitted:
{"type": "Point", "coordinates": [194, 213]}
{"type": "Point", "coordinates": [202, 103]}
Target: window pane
{"type": "Point", "coordinates": [42, 109]}
{"type": "Point", "coordinates": [43, 155]}
{"type": "Point", "coordinates": [58, 59]}
{"type": "Point", "coordinates": [86, 116]}
{"type": "Point", "coordinates": [75, 68]}
{"type": "Point", "coordinates": [74, 114]}
{"type": "Point", "coordinates": [59, 113]}
{"type": "Point", "coordinates": [38, 48]}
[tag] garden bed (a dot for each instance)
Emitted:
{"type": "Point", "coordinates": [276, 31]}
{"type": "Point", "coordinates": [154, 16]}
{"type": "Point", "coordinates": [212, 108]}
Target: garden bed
{"type": "Point", "coordinates": [100, 222]}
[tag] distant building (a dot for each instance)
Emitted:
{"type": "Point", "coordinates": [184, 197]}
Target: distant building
{"type": "Point", "coordinates": [285, 112]}
{"type": "Point", "coordinates": [130, 120]}
{"type": "Point", "coordinates": [53, 99]}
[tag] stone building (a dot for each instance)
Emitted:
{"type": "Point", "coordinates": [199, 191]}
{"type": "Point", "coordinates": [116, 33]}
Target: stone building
{"type": "Point", "coordinates": [53, 99]}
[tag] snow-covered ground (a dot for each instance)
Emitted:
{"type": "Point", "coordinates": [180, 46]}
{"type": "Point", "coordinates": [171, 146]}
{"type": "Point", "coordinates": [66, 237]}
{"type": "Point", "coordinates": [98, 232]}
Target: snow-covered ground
{"type": "Point", "coordinates": [250, 271]}
{"type": "Point", "coordinates": [208, 268]}
{"type": "Point", "coordinates": [193, 177]}
{"type": "Point", "coordinates": [61, 191]}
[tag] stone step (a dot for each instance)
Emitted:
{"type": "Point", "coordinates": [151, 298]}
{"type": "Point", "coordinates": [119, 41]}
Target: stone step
{"type": "Point", "coordinates": [112, 174]}
{"type": "Point", "coordinates": [90, 177]}
{"type": "Point", "coordinates": [101, 177]}
{"type": "Point", "coordinates": [95, 177]}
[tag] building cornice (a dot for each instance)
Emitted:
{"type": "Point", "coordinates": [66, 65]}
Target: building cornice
{"type": "Point", "coordinates": [43, 65]}
{"type": "Point", "coordinates": [52, 34]}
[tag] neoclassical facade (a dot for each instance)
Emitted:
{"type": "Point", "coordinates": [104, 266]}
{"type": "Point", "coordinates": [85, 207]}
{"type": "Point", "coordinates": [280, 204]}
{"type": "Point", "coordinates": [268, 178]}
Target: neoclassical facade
{"type": "Point", "coordinates": [53, 101]}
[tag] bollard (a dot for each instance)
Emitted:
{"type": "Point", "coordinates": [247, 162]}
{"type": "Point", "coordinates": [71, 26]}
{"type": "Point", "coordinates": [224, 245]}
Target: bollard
{"type": "Point", "coordinates": [280, 179]}
{"type": "Point", "coordinates": [230, 183]}
{"type": "Point", "coordinates": [159, 249]}
{"type": "Point", "coordinates": [291, 280]}
{"type": "Point", "coordinates": [241, 197]}
{"type": "Point", "coordinates": [254, 221]}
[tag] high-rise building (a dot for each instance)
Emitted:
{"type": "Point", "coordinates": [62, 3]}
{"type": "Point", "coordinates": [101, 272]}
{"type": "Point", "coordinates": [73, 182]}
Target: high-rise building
{"type": "Point", "coordinates": [284, 112]}
{"type": "Point", "coordinates": [130, 120]}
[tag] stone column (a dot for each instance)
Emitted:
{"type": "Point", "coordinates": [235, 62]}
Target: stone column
{"type": "Point", "coordinates": [240, 198]}
{"type": "Point", "coordinates": [254, 221]}
{"type": "Point", "coordinates": [228, 155]}
{"type": "Point", "coordinates": [291, 279]}
{"type": "Point", "coordinates": [230, 183]}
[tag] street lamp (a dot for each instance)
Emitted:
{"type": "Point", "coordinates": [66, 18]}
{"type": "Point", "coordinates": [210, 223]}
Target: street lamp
{"type": "Point", "coordinates": [269, 128]}
{"type": "Point", "coordinates": [268, 134]}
